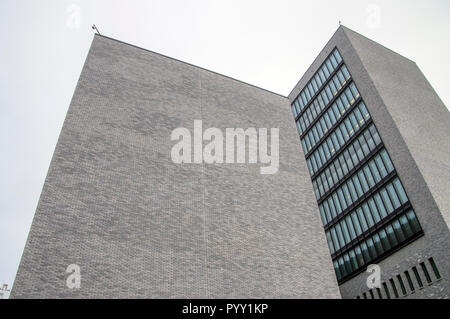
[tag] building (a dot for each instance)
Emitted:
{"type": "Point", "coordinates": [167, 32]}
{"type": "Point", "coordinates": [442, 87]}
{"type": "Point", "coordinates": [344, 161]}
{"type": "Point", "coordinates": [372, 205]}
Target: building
{"type": "Point", "coordinates": [375, 136]}
{"type": "Point", "coordinates": [121, 219]}
{"type": "Point", "coordinates": [140, 226]}
{"type": "Point", "coordinates": [4, 292]}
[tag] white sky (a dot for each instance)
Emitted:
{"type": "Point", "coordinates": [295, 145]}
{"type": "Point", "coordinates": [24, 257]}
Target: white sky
{"type": "Point", "coordinates": [266, 43]}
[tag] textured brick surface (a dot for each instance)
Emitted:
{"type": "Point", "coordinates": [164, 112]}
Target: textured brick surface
{"type": "Point", "coordinates": [140, 226]}
{"type": "Point", "coordinates": [414, 126]}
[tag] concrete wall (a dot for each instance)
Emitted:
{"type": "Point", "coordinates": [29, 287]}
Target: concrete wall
{"type": "Point", "coordinates": [140, 226]}
{"type": "Point", "coordinates": [412, 123]}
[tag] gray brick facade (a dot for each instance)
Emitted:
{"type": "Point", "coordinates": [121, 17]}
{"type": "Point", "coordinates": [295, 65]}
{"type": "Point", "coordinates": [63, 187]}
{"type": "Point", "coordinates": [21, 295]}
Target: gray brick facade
{"type": "Point", "coordinates": [140, 226]}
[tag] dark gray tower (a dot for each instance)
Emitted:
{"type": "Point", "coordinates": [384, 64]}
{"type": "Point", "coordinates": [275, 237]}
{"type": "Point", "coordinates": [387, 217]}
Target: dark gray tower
{"type": "Point", "coordinates": [138, 225]}
{"type": "Point", "coordinates": [376, 139]}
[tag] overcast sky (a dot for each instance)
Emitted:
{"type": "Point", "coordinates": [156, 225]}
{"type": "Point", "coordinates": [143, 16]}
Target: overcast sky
{"type": "Point", "coordinates": [266, 43]}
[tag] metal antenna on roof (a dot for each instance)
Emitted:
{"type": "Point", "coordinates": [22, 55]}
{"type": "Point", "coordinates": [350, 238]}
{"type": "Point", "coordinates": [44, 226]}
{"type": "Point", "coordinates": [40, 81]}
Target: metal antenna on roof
{"type": "Point", "coordinates": [95, 28]}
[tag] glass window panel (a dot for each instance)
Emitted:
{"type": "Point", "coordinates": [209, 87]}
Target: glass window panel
{"type": "Point", "coordinates": [336, 269]}
{"type": "Point", "coordinates": [375, 172]}
{"type": "Point", "coordinates": [322, 76]}
{"type": "Point", "coordinates": [327, 120]}
{"type": "Point", "coordinates": [339, 108]}
{"type": "Point", "coordinates": [368, 215]}
{"type": "Point", "coordinates": [308, 96]}
{"type": "Point", "coordinates": [345, 231]}
{"type": "Point", "coordinates": [365, 252]}
{"type": "Point", "coordinates": [332, 209]}
{"type": "Point", "coordinates": [305, 148]}
{"type": "Point", "coordinates": [337, 56]}
{"type": "Point", "coordinates": [347, 195]}
{"type": "Point", "coordinates": [322, 215]}
{"type": "Point", "coordinates": [334, 174]}
{"type": "Point", "coordinates": [310, 168]}
{"type": "Point", "coordinates": [325, 70]}
{"type": "Point", "coordinates": [329, 92]}
{"type": "Point", "coordinates": [337, 83]}
{"type": "Point", "coordinates": [345, 101]}
{"type": "Point", "coordinates": [329, 66]}
{"type": "Point", "coordinates": [369, 139]}
{"type": "Point", "coordinates": [359, 150]}
{"type": "Point", "coordinates": [343, 163]}
{"type": "Point", "coordinates": [363, 181]}
{"type": "Point", "coordinates": [350, 96]}
{"type": "Point", "coordinates": [353, 260]}
{"type": "Point", "coordinates": [358, 186]}
{"type": "Point", "coordinates": [391, 235]}
{"type": "Point", "coordinates": [318, 80]}
{"type": "Point", "coordinates": [405, 226]}
{"type": "Point", "coordinates": [362, 219]}
{"type": "Point", "coordinates": [350, 130]}
{"type": "Point", "coordinates": [356, 224]}
{"type": "Point", "coordinates": [373, 208]}
{"type": "Point", "coordinates": [400, 191]}
{"type": "Point", "coordinates": [380, 205]}
{"type": "Point", "coordinates": [375, 134]}
{"type": "Point", "coordinates": [377, 243]}
{"type": "Point", "coordinates": [345, 71]}
{"type": "Point", "coordinates": [369, 176]}
{"type": "Point", "coordinates": [364, 111]}
{"type": "Point", "coordinates": [347, 263]}
{"type": "Point", "coordinates": [354, 152]}
{"type": "Point", "coordinates": [335, 240]}
{"type": "Point", "coordinates": [381, 167]}
{"type": "Point", "coordinates": [341, 77]}
{"type": "Point", "coordinates": [314, 84]}
{"type": "Point", "coordinates": [330, 242]}
{"type": "Point", "coordinates": [333, 88]}
{"type": "Point", "coordinates": [331, 146]}
{"type": "Point", "coordinates": [359, 256]}
{"type": "Point", "coordinates": [387, 201]}
{"type": "Point", "coordinates": [332, 118]}
{"type": "Point", "coordinates": [337, 204]}
{"type": "Point", "coordinates": [354, 90]}
{"type": "Point", "coordinates": [340, 235]}
{"type": "Point", "coordinates": [371, 248]}
{"type": "Point", "coordinates": [364, 146]}
{"type": "Point", "coordinates": [387, 161]}
{"type": "Point", "coordinates": [342, 268]}
{"type": "Point", "coordinates": [350, 227]}
{"type": "Point", "coordinates": [413, 221]}
{"type": "Point", "coordinates": [342, 200]}
{"type": "Point", "coordinates": [393, 195]}
{"type": "Point", "coordinates": [325, 97]}
{"type": "Point", "coordinates": [340, 136]}
{"type": "Point", "coordinates": [384, 240]}
{"type": "Point", "coordinates": [352, 189]}
{"type": "Point", "coordinates": [333, 62]}
{"type": "Point", "coordinates": [398, 231]}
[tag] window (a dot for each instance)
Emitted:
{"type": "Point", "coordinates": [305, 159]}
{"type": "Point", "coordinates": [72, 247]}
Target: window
{"type": "Point", "coordinates": [425, 271]}
{"type": "Point", "coordinates": [402, 285]}
{"type": "Point", "coordinates": [408, 277]}
{"type": "Point", "coordinates": [394, 288]}
{"type": "Point", "coordinates": [363, 205]}
{"type": "Point", "coordinates": [435, 268]}
{"type": "Point", "coordinates": [416, 274]}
